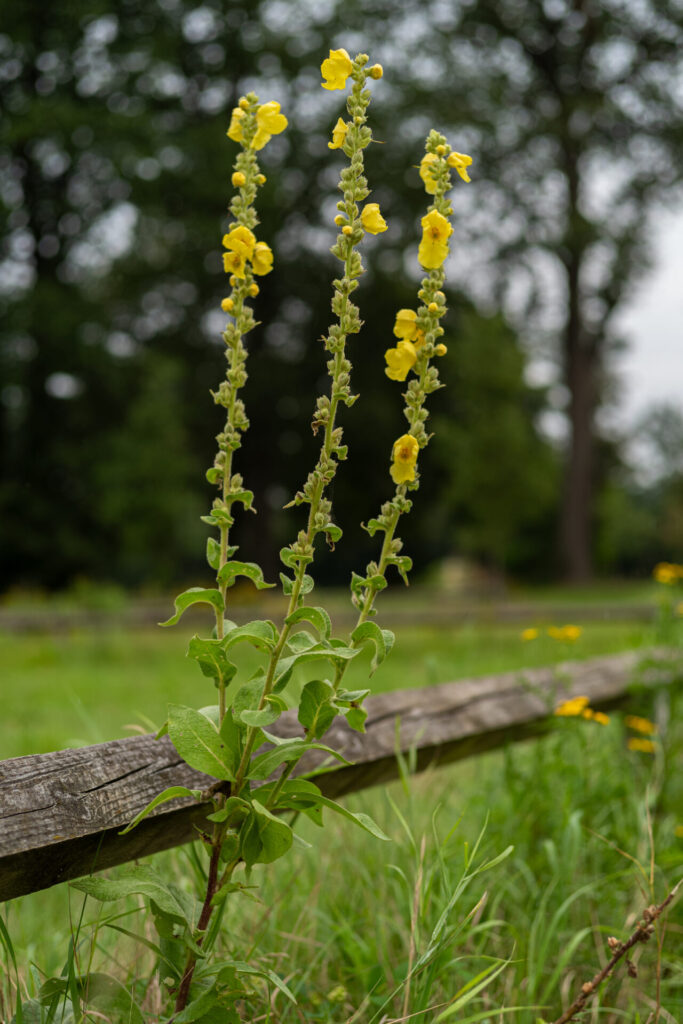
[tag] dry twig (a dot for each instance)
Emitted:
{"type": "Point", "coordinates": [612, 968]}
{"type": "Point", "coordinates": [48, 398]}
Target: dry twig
{"type": "Point", "coordinates": [619, 950]}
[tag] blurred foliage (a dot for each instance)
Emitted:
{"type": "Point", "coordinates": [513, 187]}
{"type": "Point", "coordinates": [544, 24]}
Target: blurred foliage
{"type": "Point", "coordinates": [115, 183]}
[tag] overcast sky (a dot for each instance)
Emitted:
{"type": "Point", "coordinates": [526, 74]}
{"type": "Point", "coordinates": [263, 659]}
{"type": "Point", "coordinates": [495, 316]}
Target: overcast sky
{"type": "Point", "coordinates": [652, 368]}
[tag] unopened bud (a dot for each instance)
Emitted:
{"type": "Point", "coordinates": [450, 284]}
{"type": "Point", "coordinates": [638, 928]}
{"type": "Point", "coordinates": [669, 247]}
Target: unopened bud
{"type": "Point", "coordinates": [261, 179]}
{"type": "Point", "coordinates": [339, 220]}
{"type": "Point", "coordinates": [440, 350]}
{"type": "Point", "coordinates": [233, 280]}
{"type": "Point", "coordinates": [238, 179]}
{"type": "Point", "coordinates": [347, 230]}
{"type": "Point", "coordinates": [254, 289]}
{"type": "Point", "coordinates": [243, 103]}
{"type": "Point", "coordinates": [439, 297]}
{"type": "Point", "coordinates": [376, 71]}
{"type": "Point", "coordinates": [442, 150]}
{"type": "Point", "coordinates": [227, 305]}
{"type": "Point", "coordinates": [433, 307]}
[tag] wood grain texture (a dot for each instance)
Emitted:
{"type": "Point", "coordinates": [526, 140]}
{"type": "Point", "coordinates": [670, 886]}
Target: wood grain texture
{"type": "Point", "coordinates": [60, 813]}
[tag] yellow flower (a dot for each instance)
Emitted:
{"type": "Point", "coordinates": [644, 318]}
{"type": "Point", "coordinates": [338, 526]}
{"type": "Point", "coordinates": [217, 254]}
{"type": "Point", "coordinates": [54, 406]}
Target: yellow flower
{"type": "Point", "coordinates": [405, 326]}
{"type": "Point", "coordinates": [238, 179]}
{"type": "Point", "coordinates": [240, 240]}
{"type": "Point", "coordinates": [400, 360]}
{"type": "Point", "coordinates": [644, 746]}
{"type": "Point", "coordinates": [440, 349]}
{"type": "Point", "coordinates": [601, 718]}
{"type": "Point", "coordinates": [426, 172]}
{"type": "Point", "coordinates": [678, 831]}
{"type": "Point", "coordinates": [419, 339]}
{"type": "Point", "coordinates": [372, 220]}
{"type": "Point", "coordinates": [262, 259]}
{"type": "Point", "coordinates": [338, 134]}
{"type": "Point", "coordinates": [227, 305]}
{"type": "Point", "coordinates": [269, 122]}
{"type": "Point", "coordinates": [567, 633]}
{"type": "Point", "coordinates": [336, 69]}
{"type": "Point", "coordinates": [461, 162]}
{"type": "Point", "coordinates": [233, 263]}
{"type": "Point", "coordinates": [529, 634]}
{"type": "Point", "coordinates": [667, 572]}
{"type": "Point", "coordinates": [643, 725]}
{"type": "Point", "coordinates": [573, 706]}
{"type": "Point", "coordinates": [376, 71]}
{"type": "Point", "coordinates": [235, 130]}
{"type": "Point", "coordinates": [404, 456]}
{"type": "Point", "coordinates": [434, 245]}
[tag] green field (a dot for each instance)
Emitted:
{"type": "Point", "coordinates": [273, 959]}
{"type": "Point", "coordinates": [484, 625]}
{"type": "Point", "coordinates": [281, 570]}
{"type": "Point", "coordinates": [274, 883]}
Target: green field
{"type": "Point", "coordinates": [337, 921]}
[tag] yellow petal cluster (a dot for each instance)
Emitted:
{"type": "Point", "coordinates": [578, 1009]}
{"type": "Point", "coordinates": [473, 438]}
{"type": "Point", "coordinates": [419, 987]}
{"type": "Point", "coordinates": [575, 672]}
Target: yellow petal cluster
{"type": "Point", "coordinates": [338, 134]}
{"type": "Point", "coordinates": [405, 326]}
{"type": "Point", "coordinates": [569, 634]}
{"type": "Point", "coordinates": [400, 360]}
{"type": "Point", "coordinates": [242, 246]}
{"type": "Point", "coordinates": [240, 240]}
{"type": "Point", "coordinates": [233, 264]}
{"type": "Point", "coordinates": [578, 707]}
{"type": "Point", "coordinates": [433, 248]}
{"type": "Point", "coordinates": [336, 69]}
{"type": "Point", "coordinates": [426, 172]}
{"type": "Point", "coordinates": [668, 572]}
{"type": "Point", "coordinates": [529, 634]}
{"type": "Point", "coordinates": [262, 259]}
{"type": "Point", "coordinates": [269, 122]}
{"type": "Point", "coordinates": [644, 746]}
{"type": "Point", "coordinates": [404, 459]}
{"type": "Point", "coordinates": [461, 162]}
{"type": "Point", "coordinates": [643, 725]}
{"type": "Point", "coordinates": [372, 220]}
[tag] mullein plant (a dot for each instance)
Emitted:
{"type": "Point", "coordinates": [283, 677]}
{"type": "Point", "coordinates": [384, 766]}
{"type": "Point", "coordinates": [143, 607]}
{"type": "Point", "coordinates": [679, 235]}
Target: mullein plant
{"type": "Point", "coordinates": [229, 741]}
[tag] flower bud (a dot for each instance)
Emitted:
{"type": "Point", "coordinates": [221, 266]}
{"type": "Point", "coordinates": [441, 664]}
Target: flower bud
{"type": "Point", "coordinates": [243, 103]}
{"type": "Point", "coordinates": [440, 298]}
{"type": "Point", "coordinates": [376, 71]}
{"type": "Point", "coordinates": [347, 230]}
{"type": "Point", "coordinates": [238, 179]}
{"type": "Point", "coordinates": [233, 280]}
{"type": "Point", "coordinates": [440, 349]}
{"type": "Point", "coordinates": [339, 220]}
{"type": "Point", "coordinates": [433, 307]}
{"type": "Point", "coordinates": [261, 179]}
{"type": "Point", "coordinates": [227, 305]}
{"type": "Point", "coordinates": [442, 150]}
{"type": "Point", "coordinates": [254, 290]}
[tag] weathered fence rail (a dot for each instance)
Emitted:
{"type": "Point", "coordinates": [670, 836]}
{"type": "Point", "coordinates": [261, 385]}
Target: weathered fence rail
{"type": "Point", "coordinates": [60, 813]}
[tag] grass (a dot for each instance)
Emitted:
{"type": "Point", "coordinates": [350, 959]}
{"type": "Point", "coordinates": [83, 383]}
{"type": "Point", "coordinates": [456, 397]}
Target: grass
{"type": "Point", "coordinates": [339, 921]}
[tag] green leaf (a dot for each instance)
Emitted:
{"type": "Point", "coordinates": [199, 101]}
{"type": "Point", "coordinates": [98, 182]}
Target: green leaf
{"type": "Point", "coordinates": [288, 750]}
{"type": "Point", "coordinates": [265, 838]}
{"type": "Point", "coordinates": [403, 563]}
{"type": "Point", "coordinates": [293, 561]}
{"type": "Point", "coordinates": [318, 618]}
{"type": "Point", "coordinates": [362, 820]}
{"type": "Point", "coordinates": [234, 810]}
{"type": "Point", "coordinates": [380, 638]}
{"type": "Point", "coordinates": [334, 651]}
{"type": "Point", "coordinates": [198, 742]}
{"type": "Point", "coordinates": [195, 1010]}
{"type": "Point", "coordinates": [172, 793]}
{"type": "Point", "coordinates": [307, 584]}
{"type": "Point", "coordinates": [351, 696]}
{"type": "Point", "coordinates": [275, 705]}
{"type": "Point", "coordinates": [264, 972]}
{"type": "Point", "coordinates": [334, 533]}
{"type": "Point", "coordinates": [355, 718]}
{"type": "Point", "coordinates": [316, 711]}
{"type": "Point", "coordinates": [372, 526]}
{"type": "Point", "coordinates": [231, 570]}
{"type": "Point", "coordinates": [211, 658]}
{"type": "Point", "coordinates": [143, 881]}
{"type": "Point", "coordinates": [473, 987]}
{"type": "Point", "coordinates": [301, 641]}
{"type": "Point", "coordinates": [261, 634]}
{"type": "Point", "coordinates": [246, 497]}
{"type": "Point", "coordinates": [213, 552]}
{"type": "Point", "coordinates": [195, 595]}
{"type": "Point", "coordinates": [296, 795]}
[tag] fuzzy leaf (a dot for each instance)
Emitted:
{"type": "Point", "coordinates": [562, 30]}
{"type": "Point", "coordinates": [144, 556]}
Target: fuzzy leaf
{"type": "Point", "coordinates": [211, 658]}
{"type": "Point", "coordinates": [403, 563]}
{"type": "Point", "coordinates": [213, 552]}
{"type": "Point", "coordinates": [198, 742]}
{"type": "Point", "coordinates": [231, 570]}
{"type": "Point", "coordinates": [316, 711]}
{"type": "Point", "coordinates": [265, 838]}
{"type": "Point", "coordinates": [290, 750]}
{"type": "Point", "coordinates": [382, 639]}
{"type": "Point", "coordinates": [172, 793]}
{"type": "Point", "coordinates": [261, 634]}
{"type": "Point", "coordinates": [246, 497]}
{"type": "Point", "coordinates": [318, 618]}
{"type": "Point", "coordinates": [144, 881]}
{"type": "Point", "coordinates": [195, 595]}
{"type": "Point", "coordinates": [266, 716]}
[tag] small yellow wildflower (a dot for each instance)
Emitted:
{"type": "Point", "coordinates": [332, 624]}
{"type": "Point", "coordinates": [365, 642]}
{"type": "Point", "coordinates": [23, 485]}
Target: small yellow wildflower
{"type": "Point", "coordinates": [419, 339]}
{"type": "Point", "coordinates": [227, 305]}
{"type": "Point", "coordinates": [336, 69]}
{"type": "Point", "coordinates": [338, 134]}
{"type": "Point", "coordinates": [434, 245]}
{"type": "Point", "coordinates": [440, 349]}
{"type": "Point", "coordinates": [461, 162]}
{"type": "Point", "coordinates": [569, 634]}
{"type": "Point", "coordinates": [678, 831]}
{"type": "Point", "coordinates": [573, 706]}
{"type": "Point", "coordinates": [269, 122]}
{"type": "Point", "coordinates": [667, 572]}
{"type": "Point", "coordinates": [238, 179]}
{"type": "Point", "coordinates": [531, 633]}
{"type": "Point", "coordinates": [404, 456]}
{"type": "Point", "coordinates": [372, 220]}
{"type": "Point", "coordinates": [405, 326]}
{"type": "Point", "coordinates": [426, 172]}
{"type": "Point", "coordinates": [643, 725]}
{"type": "Point", "coordinates": [262, 259]}
{"type": "Point", "coordinates": [400, 360]}
{"type": "Point", "coordinates": [233, 264]}
{"type": "Point", "coordinates": [376, 71]}
{"type": "Point", "coordinates": [240, 240]}
{"type": "Point", "coordinates": [234, 132]}
{"type": "Point", "coordinates": [601, 718]}
{"type": "Point", "coordinates": [644, 746]}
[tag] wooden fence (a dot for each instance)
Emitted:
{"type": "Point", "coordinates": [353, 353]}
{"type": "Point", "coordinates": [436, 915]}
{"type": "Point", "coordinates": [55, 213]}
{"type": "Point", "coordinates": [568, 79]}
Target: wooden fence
{"type": "Point", "coordinates": [60, 813]}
